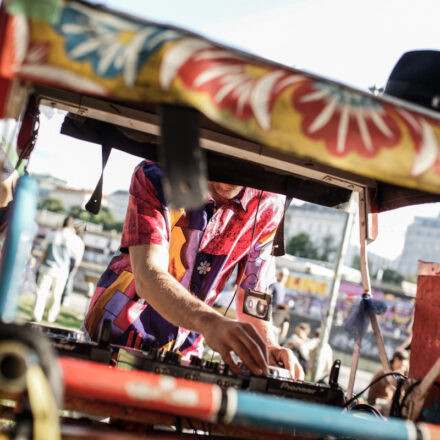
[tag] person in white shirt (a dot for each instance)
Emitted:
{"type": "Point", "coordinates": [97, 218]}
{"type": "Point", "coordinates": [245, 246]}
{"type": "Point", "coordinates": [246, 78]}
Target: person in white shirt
{"type": "Point", "coordinates": [74, 264]}
{"type": "Point", "coordinates": [55, 269]}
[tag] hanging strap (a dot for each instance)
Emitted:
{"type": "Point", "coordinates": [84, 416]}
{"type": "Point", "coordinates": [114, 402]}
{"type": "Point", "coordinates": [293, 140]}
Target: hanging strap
{"type": "Point", "coordinates": [94, 204]}
{"type": "Point", "coordinates": [279, 249]}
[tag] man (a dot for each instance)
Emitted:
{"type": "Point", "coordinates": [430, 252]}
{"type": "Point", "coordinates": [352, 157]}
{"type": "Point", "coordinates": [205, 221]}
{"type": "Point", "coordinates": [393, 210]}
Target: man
{"type": "Point", "coordinates": [278, 289]}
{"type": "Point", "coordinates": [381, 393]}
{"type": "Point", "coordinates": [74, 264]}
{"type": "Point", "coordinates": [299, 343]}
{"type": "Point", "coordinates": [173, 264]}
{"type": "Point", "coordinates": [55, 267]}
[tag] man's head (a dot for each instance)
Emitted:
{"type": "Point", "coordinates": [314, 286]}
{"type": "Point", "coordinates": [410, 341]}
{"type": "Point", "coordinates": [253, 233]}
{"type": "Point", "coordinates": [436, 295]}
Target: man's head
{"type": "Point", "coordinates": [303, 329]}
{"type": "Point", "coordinates": [68, 222]}
{"type": "Point", "coordinates": [222, 192]}
{"type": "Point", "coordinates": [400, 361]}
{"type": "Point", "coordinates": [282, 275]}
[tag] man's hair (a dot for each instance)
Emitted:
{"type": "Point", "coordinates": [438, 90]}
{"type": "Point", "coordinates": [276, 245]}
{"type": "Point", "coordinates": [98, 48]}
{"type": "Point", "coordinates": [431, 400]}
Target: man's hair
{"type": "Point", "coordinates": [304, 326]}
{"type": "Point", "coordinates": [400, 354]}
{"type": "Point", "coordinates": [68, 222]}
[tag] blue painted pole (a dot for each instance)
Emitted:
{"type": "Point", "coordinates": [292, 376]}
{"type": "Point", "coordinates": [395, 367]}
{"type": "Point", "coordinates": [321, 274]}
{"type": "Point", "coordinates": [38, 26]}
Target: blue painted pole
{"type": "Point", "coordinates": [17, 245]}
{"type": "Point", "coordinates": [288, 416]}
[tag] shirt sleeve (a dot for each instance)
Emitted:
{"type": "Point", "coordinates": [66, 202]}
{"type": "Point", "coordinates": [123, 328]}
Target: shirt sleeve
{"type": "Point", "coordinates": [146, 221]}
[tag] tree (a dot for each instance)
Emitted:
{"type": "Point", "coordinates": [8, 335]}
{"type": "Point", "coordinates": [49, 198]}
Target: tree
{"type": "Point", "coordinates": [328, 248]}
{"type": "Point", "coordinates": [104, 217]}
{"type": "Point", "coordinates": [356, 264]}
{"type": "Point", "coordinates": [392, 276]}
{"type": "Point", "coordinates": [301, 246]}
{"type": "Point", "coordinates": [54, 205]}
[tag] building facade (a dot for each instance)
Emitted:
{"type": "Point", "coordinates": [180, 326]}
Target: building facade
{"type": "Point", "coordinates": [117, 202]}
{"type": "Point", "coordinates": [422, 242]}
{"type": "Point", "coordinates": [319, 222]}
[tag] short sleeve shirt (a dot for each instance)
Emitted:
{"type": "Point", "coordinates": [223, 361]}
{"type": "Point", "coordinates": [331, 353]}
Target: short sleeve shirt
{"type": "Point", "coordinates": [205, 245]}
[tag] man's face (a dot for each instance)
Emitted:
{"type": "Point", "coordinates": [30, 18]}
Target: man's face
{"type": "Point", "coordinates": [400, 366]}
{"type": "Point", "coordinates": [223, 190]}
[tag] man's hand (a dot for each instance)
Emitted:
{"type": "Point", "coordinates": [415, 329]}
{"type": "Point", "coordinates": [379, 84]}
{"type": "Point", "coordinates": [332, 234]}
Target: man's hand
{"type": "Point", "coordinates": [224, 335]}
{"type": "Point", "coordinates": [281, 356]}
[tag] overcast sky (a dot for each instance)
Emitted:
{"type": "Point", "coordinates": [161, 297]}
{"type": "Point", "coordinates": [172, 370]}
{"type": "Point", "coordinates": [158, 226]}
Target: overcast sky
{"type": "Point", "coordinates": [353, 42]}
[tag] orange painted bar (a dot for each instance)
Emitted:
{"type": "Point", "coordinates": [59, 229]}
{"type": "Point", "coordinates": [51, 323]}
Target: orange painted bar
{"type": "Point", "coordinates": [140, 389]}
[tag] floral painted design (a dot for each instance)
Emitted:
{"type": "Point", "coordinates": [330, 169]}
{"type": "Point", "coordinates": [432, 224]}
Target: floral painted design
{"type": "Point", "coordinates": [426, 144]}
{"type": "Point", "coordinates": [204, 268]}
{"type": "Point", "coordinates": [346, 121]}
{"type": "Point", "coordinates": [233, 83]}
{"type": "Point", "coordinates": [113, 45]}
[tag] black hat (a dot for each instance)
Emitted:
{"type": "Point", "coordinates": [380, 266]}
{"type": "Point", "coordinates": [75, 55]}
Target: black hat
{"type": "Point", "coordinates": [416, 78]}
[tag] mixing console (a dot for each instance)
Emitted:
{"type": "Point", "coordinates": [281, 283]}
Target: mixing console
{"type": "Point", "coordinates": [165, 362]}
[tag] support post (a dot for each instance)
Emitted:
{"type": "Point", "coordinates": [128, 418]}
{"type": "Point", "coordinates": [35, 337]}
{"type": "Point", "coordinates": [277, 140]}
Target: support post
{"type": "Point", "coordinates": [326, 325]}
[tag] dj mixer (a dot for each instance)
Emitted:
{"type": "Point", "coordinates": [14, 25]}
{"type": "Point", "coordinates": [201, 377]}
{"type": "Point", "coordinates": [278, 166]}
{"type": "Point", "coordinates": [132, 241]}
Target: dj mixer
{"type": "Point", "coordinates": [169, 363]}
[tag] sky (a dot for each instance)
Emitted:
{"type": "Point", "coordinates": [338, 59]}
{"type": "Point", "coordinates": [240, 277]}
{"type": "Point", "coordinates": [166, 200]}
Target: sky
{"type": "Point", "coordinates": [352, 42]}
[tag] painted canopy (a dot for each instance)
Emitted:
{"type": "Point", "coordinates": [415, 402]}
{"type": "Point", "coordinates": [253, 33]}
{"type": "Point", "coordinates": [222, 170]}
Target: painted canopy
{"type": "Point", "coordinates": [95, 51]}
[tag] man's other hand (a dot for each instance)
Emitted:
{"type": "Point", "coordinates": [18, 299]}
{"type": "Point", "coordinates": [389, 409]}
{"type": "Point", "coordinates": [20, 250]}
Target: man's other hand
{"type": "Point", "coordinates": [281, 356]}
{"type": "Point", "coordinates": [224, 335]}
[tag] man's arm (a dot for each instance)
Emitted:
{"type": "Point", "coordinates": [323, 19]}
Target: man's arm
{"type": "Point", "coordinates": [177, 305]}
{"type": "Point", "coordinates": [277, 355]}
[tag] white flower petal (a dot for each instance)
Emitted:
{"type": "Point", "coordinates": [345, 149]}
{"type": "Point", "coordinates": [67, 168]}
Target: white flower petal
{"type": "Point", "coordinates": [342, 129]}
{"type": "Point", "coordinates": [260, 95]}
{"type": "Point", "coordinates": [363, 129]}
{"type": "Point", "coordinates": [315, 96]}
{"type": "Point", "coordinates": [216, 71]}
{"type": "Point", "coordinates": [109, 54]}
{"type": "Point", "coordinates": [324, 117]}
{"type": "Point", "coordinates": [429, 151]}
{"type": "Point", "coordinates": [87, 47]}
{"type": "Point", "coordinates": [175, 57]}
{"type": "Point", "coordinates": [376, 117]}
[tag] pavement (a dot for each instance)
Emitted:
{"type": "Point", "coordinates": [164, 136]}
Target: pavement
{"type": "Point", "coordinates": [78, 303]}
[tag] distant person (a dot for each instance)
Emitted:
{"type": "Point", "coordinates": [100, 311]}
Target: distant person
{"type": "Point", "coordinates": [327, 356]}
{"type": "Point", "coordinates": [299, 343]}
{"type": "Point", "coordinates": [281, 321]}
{"type": "Point", "coordinates": [54, 270]}
{"type": "Point", "coordinates": [381, 393]}
{"type": "Point", "coordinates": [278, 289]}
{"type": "Point", "coordinates": [68, 289]}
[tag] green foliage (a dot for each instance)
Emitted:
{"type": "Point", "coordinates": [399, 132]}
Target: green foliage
{"type": "Point", "coordinates": [54, 205]}
{"type": "Point", "coordinates": [104, 217]}
{"type": "Point", "coordinates": [301, 246]}
{"type": "Point", "coordinates": [393, 277]}
{"type": "Point", "coordinates": [328, 248]}
{"type": "Point", "coordinates": [356, 264]}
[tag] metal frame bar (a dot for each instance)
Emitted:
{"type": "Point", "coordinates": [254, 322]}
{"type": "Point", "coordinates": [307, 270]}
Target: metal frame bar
{"type": "Point", "coordinates": [243, 149]}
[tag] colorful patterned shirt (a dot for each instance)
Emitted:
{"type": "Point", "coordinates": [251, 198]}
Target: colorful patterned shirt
{"type": "Point", "coordinates": [205, 245]}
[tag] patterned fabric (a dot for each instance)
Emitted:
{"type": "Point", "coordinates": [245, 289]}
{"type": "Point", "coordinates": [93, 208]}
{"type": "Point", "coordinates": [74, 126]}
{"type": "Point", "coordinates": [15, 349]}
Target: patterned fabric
{"type": "Point", "coordinates": [100, 53]}
{"type": "Point", "coordinates": [205, 245]}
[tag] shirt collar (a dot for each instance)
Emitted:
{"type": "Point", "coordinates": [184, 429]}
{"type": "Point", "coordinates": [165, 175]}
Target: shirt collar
{"type": "Point", "coordinates": [245, 196]}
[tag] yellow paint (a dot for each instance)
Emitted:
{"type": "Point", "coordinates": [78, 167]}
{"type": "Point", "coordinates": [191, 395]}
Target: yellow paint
{"type": "Point", "coordinates": [305, 284]}
{"type": "Point", "coordinates": [43, 405]}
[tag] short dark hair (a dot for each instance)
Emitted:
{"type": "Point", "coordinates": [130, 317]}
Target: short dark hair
{"type": "Point", "coordinates": [400, 354]}
{"type": "Point", "coordinates": [68, 222]}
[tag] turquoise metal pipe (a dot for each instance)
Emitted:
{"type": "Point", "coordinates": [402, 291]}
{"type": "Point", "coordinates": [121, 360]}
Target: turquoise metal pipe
{"type": "Point", "coordinates": [19, 236]}
{"type": "Point", "coordinates": [288, 416]}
